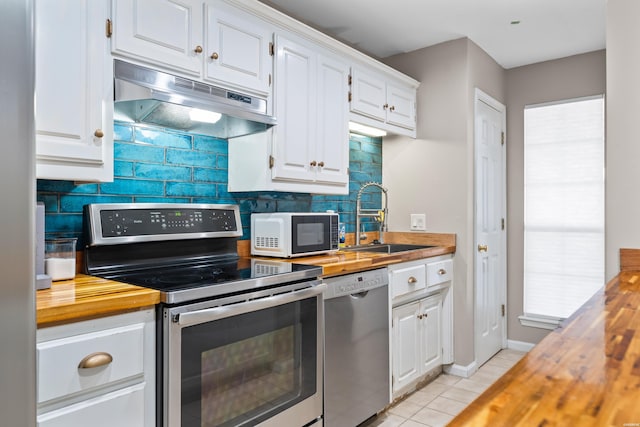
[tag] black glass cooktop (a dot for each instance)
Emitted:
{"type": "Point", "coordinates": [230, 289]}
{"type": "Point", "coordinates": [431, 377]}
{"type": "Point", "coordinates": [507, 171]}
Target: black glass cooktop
{"type": "Point", "coordinates": [201, 280]}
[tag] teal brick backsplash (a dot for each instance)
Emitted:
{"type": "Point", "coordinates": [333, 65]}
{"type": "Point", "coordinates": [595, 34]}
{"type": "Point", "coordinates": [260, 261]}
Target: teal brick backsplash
{"type": "Point", "coordinates": [162, 166]}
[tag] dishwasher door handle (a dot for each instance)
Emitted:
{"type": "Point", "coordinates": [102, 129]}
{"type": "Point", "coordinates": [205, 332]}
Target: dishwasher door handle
{"type": "Point", "coordinates": [359, 295]}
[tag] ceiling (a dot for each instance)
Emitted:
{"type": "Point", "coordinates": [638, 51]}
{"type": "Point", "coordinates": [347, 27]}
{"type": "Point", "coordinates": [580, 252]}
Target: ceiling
{"type": "Point", "coordinates": [547, 29]}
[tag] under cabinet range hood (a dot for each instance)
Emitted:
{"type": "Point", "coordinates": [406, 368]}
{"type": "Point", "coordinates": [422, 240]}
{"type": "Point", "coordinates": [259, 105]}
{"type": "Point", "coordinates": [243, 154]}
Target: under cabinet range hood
{"type": "Point", "coordinates": [154, 98]}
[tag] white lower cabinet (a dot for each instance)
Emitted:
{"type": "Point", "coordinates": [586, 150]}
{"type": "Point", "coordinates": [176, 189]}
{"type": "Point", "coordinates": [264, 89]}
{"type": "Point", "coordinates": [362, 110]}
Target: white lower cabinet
{"type": "Point", "coordinates": [421, 319]}
{"type": "Point", "coordinates": [416, 340]}
{"type": "Point", "coordinates": [98, 372]}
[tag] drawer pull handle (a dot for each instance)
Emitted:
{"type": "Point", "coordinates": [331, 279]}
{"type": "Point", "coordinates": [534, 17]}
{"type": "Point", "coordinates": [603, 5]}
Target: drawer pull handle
{"type": "Point", "coordinates": [442, 272]}
{"type": "Point", "coordinates": [412, 280]}
{"type": "Point", "coordinates": [483, 248]}
{"type": "Point", "coordinates": [95, 360]}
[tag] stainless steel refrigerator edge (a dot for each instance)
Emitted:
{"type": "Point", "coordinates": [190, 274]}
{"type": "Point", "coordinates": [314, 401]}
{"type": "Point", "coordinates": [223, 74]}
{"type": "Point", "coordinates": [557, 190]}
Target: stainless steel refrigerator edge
{"type": "Point", "coordinates": [17, 190]}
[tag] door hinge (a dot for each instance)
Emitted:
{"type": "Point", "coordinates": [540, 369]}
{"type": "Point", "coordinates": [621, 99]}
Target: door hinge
{"type": "Point", "coordinates": [349, 97]}
{"type": "Point", "coordinates": [501, 138]}
{"type": "Point", "coordinates": [269, 79]}
{"type": "Point", "coordinates": [503, 310]}
{"type": "Point", "coordinates": [349, 80]}
{"type": "Point", "coordinates": [502, 223]}
{"type": "Point", "coordinates": [109, 28]}
{"type": "Point", "coordinates": [272, 49]}
{"type": "Point", "coordinates": [272, 161]}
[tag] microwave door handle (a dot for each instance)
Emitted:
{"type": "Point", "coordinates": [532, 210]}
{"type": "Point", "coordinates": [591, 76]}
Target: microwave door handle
{"type": "Point", "coordinates": [216, 313]}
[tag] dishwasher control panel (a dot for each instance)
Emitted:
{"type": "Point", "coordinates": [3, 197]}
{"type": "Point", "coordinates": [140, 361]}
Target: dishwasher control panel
{"type": "Point", "coordinates": [355, 283]}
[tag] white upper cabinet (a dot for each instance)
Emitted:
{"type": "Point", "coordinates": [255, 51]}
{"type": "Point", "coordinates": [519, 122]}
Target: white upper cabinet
{"type": "Point", "coordinates": [167, 33]}
{"type": "Point", "coordinates": [295, 110]}
{"type": "Point", "coordinates": [332, 148]}
{"type": "Point", "coordinates": [368, 95]}
{"type": "Point", "coordinates": [205, 40]}
{"type": "Point", "coordinates": [312, 141]}
{"type": "Point", "coordinates": [383, 102]}
{"type": "Point", "coordinates": [237, 47]}
{"type": "Point", "coordinates": [74, 91]}
{"type": "Point", "coordinates": [308, 150]}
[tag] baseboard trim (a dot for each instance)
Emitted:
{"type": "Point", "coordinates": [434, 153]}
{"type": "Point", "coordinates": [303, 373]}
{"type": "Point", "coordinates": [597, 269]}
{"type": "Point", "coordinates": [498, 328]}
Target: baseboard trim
{"type": "Point", "coordinates": [460, 370]}
{"type": "Point", "coordinates": [519, 345]}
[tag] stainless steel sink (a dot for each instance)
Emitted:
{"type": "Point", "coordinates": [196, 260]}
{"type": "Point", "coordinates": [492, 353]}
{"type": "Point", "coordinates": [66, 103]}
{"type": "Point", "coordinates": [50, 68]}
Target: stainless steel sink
{"type": "Point", "coordinates": [386, 248]}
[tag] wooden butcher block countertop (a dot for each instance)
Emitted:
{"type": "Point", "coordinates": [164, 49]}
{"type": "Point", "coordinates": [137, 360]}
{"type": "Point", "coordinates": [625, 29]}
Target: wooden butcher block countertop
{"type": "Point", "coordinates": [344, 262]}
{"type": "Point", "coordinates": [585, 373]}
{"type": "Point", "coordinates": [86, 297]}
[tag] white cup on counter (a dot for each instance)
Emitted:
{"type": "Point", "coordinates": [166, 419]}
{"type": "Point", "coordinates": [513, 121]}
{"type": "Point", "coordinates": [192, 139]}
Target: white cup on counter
{"type": "Point", "coordinates": [60, 258]}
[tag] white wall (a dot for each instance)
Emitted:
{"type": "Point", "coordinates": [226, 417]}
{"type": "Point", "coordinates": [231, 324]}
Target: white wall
{"type": "Point", "coordinates": [433, 174]}
{"type": "Point", "coordinates": [566, 78]}
{"type": "Point", "coordinates": [623, 119]}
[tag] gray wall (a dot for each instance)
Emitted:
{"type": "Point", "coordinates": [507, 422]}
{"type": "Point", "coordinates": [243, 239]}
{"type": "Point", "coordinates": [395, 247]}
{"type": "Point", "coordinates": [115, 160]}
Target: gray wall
{"type": "Point", "coordinates": [17, 189]}
{"type": "Point", "coordinates": [572, 77]}
{"type": "Point", "coordinates": [437, 167]}
{"type": "Point", "coordinates": [623, 147]}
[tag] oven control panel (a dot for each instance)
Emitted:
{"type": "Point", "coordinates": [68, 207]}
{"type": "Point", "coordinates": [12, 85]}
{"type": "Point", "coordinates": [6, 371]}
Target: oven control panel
{"type": "Point", "coordinates": [116, 223]}
{"type": "Point", "coordinates": [165, 221]}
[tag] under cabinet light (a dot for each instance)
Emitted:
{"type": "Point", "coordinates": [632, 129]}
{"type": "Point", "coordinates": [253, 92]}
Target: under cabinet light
{"type": "Point", "coordinates": [204, 116]}
{"type": "Point", "coordinates": [366, 130]}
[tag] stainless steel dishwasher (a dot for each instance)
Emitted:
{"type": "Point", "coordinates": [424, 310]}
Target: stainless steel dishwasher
{"type": "Point", "coordinates": [356, 347]}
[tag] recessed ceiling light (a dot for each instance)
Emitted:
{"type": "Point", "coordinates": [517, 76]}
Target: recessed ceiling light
{"type": "Point", "coordinates": [515, 22]}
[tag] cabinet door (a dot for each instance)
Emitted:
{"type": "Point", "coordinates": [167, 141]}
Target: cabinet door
{"type": "Point", "coordinates": [237, 48]}
{"type": "Point", "coordinates": [431, 344]}
{"type": "Point", "coordinates": [295, 110]}
{"type": "Point", "coordinates": [401, 111]}
{"type": "Point", "coordinates": [74, 91]}
{"type": "Point", "coordinates": [332, 153]}
{"type": "Point", "coordinates": [368, 95]}
{"type": "Point", "coordinates": [164, 32]}
{"type": "Point", "coordinates": [406, 340]}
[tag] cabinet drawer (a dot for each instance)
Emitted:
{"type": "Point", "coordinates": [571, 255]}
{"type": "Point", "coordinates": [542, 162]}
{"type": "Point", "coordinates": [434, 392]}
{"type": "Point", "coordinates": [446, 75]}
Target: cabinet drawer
{"type": "Point", "coordinates": [58, 361]}
{"type": "Point", "coordinates": [409, 279]}
{"type": "Point", "coordinates": [439, 272]}
{"type": "Point", "coordinates": [123, 408]}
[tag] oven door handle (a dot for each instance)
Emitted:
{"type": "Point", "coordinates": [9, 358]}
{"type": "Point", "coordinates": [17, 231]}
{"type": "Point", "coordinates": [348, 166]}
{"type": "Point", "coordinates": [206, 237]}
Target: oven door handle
{"type": "Point", "coordinates": [210, 314]}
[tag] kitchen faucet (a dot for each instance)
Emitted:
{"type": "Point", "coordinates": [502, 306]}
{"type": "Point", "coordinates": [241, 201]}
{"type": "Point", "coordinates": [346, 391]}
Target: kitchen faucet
{"type": "Point", "coordinates": [379, 215]}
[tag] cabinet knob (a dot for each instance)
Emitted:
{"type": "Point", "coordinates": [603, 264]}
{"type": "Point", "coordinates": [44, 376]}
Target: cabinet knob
{"type": "Point", "coordinates": [385, 106]}
{"type": "Point", "coordinates": [198, 49]}
{"type": "Point", "coordinates": [313, 163]}
{"type": "Point", "coordinates": [98, 133]}
{"type": "Point", "coordinates": [95, 360]}
{"type": "Point", "coordinates": [442, 272]}
{"type": "Point", "coordinates": [392, 108]}
{"type": "Point", "coordinates": [483, 248]}
{"type": "Point", "coordinates": [419, 316]}
{"type": "Point", "coordinates": [321, 164]}
{"type": "Point", "coordinates": [214, 55]}
{"type": "Point", "coordinates": [412, 280]}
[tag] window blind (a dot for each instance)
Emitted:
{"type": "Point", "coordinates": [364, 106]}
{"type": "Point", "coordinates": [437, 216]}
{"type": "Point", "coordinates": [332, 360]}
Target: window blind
{"type": "Point", "coordinates": [564, 206]}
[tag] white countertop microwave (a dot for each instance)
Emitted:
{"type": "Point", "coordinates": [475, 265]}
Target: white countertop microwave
{"type": "Point", "coordinates": [293, 234]}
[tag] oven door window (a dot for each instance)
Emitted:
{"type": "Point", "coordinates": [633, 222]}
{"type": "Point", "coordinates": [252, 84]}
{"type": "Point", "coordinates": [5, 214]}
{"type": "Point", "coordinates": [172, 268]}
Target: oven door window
{"type": "Point", "coordinates": [244, 369]}
{"type": "Point", "coordinates": [310, 234]}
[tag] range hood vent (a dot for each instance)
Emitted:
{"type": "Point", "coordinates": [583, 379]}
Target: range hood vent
{"type": "Point", "coordinates": [154, 98]}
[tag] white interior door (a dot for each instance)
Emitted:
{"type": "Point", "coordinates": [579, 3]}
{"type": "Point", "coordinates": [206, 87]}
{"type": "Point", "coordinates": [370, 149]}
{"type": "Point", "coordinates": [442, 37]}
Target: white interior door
{"type": "Point", "coordinates": [490, 233]}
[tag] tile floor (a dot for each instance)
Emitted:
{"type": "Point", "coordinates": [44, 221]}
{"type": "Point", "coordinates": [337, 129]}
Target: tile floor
{"type": "Point", "coordinates": [442, 399]}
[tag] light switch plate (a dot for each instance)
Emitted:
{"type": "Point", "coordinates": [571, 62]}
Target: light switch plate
{"type": "Point", "coordinates": [418, 222]}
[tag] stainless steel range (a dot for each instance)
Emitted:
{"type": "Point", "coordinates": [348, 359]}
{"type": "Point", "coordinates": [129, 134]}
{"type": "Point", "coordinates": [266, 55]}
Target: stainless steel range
{"type": "Point", "coordinates": [239, 340]}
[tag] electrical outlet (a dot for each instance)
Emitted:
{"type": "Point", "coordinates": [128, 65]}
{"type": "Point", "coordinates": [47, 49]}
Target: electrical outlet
{"type": "Point", "coordinates": [418, 222]}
